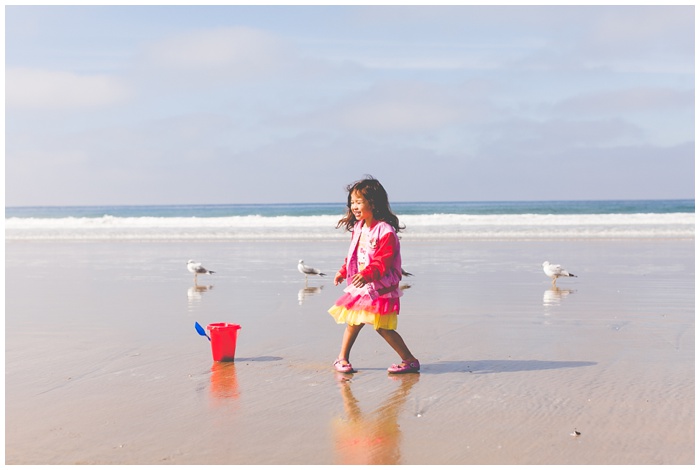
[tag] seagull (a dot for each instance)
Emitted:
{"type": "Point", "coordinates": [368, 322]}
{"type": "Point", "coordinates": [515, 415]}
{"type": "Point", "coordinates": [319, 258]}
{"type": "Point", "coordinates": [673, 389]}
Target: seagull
{"type": "Point", "coordinates": [404, 273]}
{"type": "Point", "coordinates": [197, 268]}
{"type": "Point", "coordinates": [555, 271]}
{"type": "Point", "coordinates": [308, 270]}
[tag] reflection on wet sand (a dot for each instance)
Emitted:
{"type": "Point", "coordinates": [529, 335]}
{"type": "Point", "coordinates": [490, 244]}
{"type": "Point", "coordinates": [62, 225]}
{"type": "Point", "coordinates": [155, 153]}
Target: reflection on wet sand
{"type": "Point", "coordinates": [307, 292]}
{"type": "Point", "coordinates": [224, 384]}
{"type": "Point", "coordinates": [555, 295]}
{"type": "Point", "coordinates": [194, 293]}
{"type": "Point", "coordinates": [373, 438]}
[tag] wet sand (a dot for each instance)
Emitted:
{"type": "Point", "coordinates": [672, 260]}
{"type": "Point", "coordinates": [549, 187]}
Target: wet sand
{"type": "Point", "coordinates": [103, 364]}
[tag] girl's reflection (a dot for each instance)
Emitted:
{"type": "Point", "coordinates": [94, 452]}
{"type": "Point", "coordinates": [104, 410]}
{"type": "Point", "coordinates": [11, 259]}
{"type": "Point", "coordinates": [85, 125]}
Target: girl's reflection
{"type": "Point", "coordinates": [373, 438]}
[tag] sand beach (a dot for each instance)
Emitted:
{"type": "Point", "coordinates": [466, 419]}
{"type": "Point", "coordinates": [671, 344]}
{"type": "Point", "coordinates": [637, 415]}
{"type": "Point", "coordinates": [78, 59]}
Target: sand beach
{"type": "Point", "coordinates": [103, 364]}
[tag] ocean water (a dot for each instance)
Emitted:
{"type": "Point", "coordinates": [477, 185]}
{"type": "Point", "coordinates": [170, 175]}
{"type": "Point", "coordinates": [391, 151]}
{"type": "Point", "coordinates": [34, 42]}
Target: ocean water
{"type": "Point", "coordinates": [423, 220]}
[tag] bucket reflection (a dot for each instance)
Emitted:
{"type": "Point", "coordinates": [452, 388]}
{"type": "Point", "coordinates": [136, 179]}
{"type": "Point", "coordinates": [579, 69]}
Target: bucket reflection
{"type": "Point", "coordinates": [224, 384]}
{"type": "Point", "coordinates": [373, 438]}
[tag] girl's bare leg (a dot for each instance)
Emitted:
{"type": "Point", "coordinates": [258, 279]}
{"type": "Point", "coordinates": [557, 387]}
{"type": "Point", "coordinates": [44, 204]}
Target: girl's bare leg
{"type": "Point", "coordinates": [397, 343]}
{"type": "Point", "coordinates": [349, 337]}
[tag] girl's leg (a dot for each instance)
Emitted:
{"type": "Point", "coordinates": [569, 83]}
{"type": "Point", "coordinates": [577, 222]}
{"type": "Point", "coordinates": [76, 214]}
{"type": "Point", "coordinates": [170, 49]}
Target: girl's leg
{"type": "Point", "coordinates": [349, 337]}
{"type": "Point", "coordinates": [397, 343]}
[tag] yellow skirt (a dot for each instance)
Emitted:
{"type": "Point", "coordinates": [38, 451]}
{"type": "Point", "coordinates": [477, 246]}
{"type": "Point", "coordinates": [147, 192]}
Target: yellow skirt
{"type": "Point", "coordinates": [388, 321]}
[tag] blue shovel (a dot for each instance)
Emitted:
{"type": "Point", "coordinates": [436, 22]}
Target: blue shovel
{"type": "Point", "coordinates": [200, 330]}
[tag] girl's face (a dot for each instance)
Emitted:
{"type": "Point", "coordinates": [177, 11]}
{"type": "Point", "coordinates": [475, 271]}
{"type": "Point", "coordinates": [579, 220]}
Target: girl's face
{"type": "Point", "coordinates": [361, 208]}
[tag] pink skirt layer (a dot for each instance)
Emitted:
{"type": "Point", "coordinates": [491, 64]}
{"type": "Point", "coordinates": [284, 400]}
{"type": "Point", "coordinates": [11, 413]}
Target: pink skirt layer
{"type": "Point", "coordinates": [352, 309]}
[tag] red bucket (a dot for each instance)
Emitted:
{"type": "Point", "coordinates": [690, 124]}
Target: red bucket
{"type": "Point", "coordinates": [223, 340]}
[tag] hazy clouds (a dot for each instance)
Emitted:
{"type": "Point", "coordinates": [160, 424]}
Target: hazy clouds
{"type": "Point", "coordinates": [127, 105]}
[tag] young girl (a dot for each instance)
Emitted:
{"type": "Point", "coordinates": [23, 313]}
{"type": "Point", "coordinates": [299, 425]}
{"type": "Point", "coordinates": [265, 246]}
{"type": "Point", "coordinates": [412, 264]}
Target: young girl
{"type": "Point", "coordinates": [373, 271]}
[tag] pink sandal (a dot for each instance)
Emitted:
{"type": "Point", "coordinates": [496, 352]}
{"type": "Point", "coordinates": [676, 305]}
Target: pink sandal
{"type": "Point", "coordinates": [344, 368]}
{"type": "Point", "coordinates": [404, 367]}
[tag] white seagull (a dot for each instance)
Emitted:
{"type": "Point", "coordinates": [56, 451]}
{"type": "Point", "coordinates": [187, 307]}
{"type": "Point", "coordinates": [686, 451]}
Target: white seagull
{"type": "Point", "coordinates": [308, 270]}
{"type": "Point", "coordinates": [555, 271]}
{"type": "Point", "coordinates": [197, 268]}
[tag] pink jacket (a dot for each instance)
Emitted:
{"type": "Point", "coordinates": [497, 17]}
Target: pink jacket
{"type": "Point", "coordinates": [383, 272]}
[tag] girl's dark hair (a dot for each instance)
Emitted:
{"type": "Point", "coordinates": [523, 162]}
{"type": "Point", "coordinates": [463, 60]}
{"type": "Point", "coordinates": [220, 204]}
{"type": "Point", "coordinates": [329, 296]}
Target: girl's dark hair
{"type": "Point", "coordinates": [375, 194]}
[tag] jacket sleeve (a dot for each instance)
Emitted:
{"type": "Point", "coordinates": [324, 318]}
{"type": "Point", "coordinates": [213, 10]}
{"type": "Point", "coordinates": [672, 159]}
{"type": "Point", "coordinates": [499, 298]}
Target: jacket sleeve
{"type": "Point", "coordinates": [344, 269]}
{"type": "Point", "coordinates": [382, 258]}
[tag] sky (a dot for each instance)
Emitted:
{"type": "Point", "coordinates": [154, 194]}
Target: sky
{"type": "Point", "coordinates": [232, 104]}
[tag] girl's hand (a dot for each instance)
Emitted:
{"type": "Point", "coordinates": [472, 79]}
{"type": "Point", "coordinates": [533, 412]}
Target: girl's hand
{"type": "Point", "coordinates": [358, 280]}
{"type": "Point", "coordinates": [338, 278]}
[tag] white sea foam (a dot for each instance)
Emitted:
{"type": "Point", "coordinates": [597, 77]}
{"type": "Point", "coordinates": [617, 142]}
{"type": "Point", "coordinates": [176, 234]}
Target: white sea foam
{"type": "Point", "coordinates": [434, 226]}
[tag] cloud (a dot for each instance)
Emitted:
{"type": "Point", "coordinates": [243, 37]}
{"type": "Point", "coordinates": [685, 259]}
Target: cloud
{"type": "Point", "coordinates": [640, 39]}
{"type": "Point", "coordinates": [521, 138]}
{"type": "Point", "coordinates": [632, 100]}
{"type": "Point", "coordinates": [463, 103]}
{"type": "Point", "coordinates": [639, 29]}
{"type": "Point", "coordinates": [395, 111]}
{"type": "Point", "coordinates": [29, 88]}
{"type": "Point", "coordinates": [404, 106]}
{"type": "Point", "coordinates": [236, 52]}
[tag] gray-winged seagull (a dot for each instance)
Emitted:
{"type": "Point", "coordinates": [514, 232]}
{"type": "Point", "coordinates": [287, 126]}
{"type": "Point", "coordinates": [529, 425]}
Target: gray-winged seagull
{"type": "Point", "coordinates": [197, 268]}
{"type": "Point", "coordinates": [308, 270]}
{"type": "Point", "coordinates": [555, 271]}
